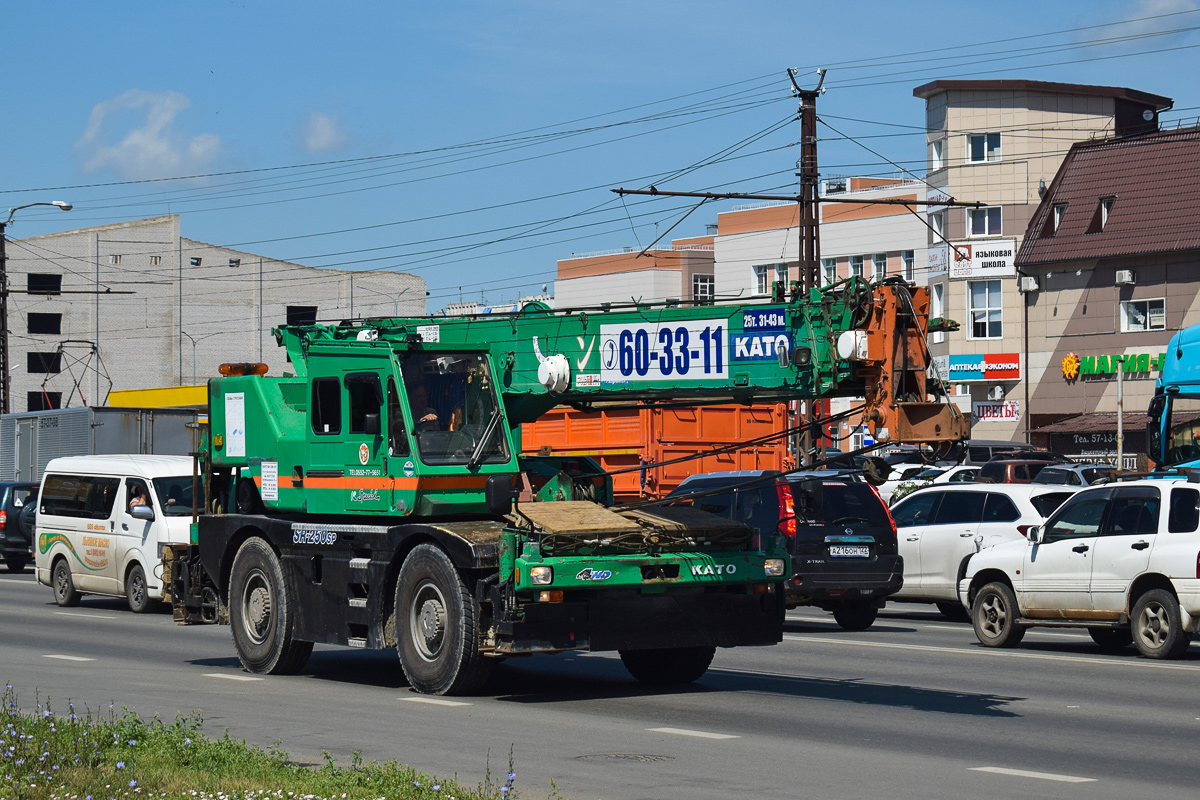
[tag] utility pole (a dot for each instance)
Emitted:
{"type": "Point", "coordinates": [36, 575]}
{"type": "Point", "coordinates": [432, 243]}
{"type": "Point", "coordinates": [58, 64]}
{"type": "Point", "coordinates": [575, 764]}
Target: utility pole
{"type": "Point", "coordinates": [810, 237]}
{"type": "Point", "coordinates": [5, 366]}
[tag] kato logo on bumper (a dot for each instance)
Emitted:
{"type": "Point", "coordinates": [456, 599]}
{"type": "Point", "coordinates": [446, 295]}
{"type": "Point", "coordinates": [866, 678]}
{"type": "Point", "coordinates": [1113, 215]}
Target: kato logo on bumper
{"type": "Point", "coordinates": [713, 569]}
{"type": "Point", "coordinates": [589, 574]}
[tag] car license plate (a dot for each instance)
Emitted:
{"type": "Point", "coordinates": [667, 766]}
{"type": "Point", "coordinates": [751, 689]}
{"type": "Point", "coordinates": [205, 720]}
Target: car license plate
{"type": "Point", "coordinates": [850, 550]}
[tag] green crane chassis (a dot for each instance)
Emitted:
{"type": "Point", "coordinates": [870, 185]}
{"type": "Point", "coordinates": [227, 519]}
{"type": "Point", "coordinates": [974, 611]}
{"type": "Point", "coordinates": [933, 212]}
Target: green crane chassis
{"type": "Point", "coordinates": [664, 587]}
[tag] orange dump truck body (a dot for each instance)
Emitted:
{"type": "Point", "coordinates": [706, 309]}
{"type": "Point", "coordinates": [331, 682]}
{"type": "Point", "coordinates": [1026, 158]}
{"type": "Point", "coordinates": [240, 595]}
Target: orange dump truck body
{"type": "Point", "coordinates": [624, 438]}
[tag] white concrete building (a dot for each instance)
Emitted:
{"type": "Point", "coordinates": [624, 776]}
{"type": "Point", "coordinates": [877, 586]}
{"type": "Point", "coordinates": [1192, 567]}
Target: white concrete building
{"type": "Point", "coordinates": [135, 305]}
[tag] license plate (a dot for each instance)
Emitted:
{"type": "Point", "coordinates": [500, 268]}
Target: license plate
{"type": "Point", "coordinates": [850, 550]}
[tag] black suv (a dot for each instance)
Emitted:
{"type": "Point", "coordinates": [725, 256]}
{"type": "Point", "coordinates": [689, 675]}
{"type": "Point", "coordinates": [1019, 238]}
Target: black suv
{"type": "Point", "coordinates": [18, 507]}
{"type": "Point", "coordinates": [841, 538]}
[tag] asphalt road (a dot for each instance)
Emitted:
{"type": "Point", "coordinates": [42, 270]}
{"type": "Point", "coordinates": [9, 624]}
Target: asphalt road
{"type": "Point", "coordinates": [913, 707]}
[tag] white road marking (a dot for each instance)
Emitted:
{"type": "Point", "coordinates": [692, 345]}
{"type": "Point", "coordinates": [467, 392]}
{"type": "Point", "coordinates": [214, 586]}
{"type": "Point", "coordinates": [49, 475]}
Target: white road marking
{"type": "Point", "coordinates": [1024, 773]}
{"type": "Point", "coordinates": [697, 734]}
{"type": "Point", "coordinates": [946, 626]}
{"type": "Point", "coordinates": [229, 676]}
{"type": "Point", "coordinates": [69, 658]}
{"type": "Point", "coordinates": [83, 614]}
{"type": "Point", "coordinates": [1139, 663]}
{"type": "Point", "coordinates": [20, 581]}
{"type": "Point", "coordinates": [434, 701]}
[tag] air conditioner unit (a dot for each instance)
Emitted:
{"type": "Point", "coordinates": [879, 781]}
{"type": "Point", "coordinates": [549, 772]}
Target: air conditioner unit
{"type": "Point", "coordinates": [1027, 283]}
{"type": "Point", "coordinates": [1125, 277]}
{"type": "Point", "coordinates": [996, 393]}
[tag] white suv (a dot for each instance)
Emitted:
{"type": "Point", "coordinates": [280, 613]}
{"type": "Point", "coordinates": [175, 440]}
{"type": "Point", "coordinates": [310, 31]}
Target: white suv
{"type": "Point", "coordinates": [1121, 560]}
{"type": "Point", "coordinates": [939, 527]}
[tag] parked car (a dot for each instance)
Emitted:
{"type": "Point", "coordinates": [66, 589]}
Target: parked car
{"type": "Point", "coordinates": [940, 527]}
{"type": "Point", "coordinates": [1119, 560]}
{"type": "Point", "coordinates": [1005, 471]}
{"type": "Point", "coordinates": [1029, 454]}
{"type": "Point", "coordinates": [93, 538]}
{"type": "Point", "coordinates": [900, 474]}
{"type": "Point", "coordinates": [1075, 474]}
{"type": "Point", "coordinates": [840, 536]}
{"type": "Point", "coordinates": [980, 451]}
{"type": "Point", "coordinates": [963, 474]}
{"type": "Point", "coordinates": [18, 507]}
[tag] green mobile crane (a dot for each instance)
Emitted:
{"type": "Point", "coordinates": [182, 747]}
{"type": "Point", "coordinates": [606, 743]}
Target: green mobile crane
{"type": "Point", "coordinates": [376, 497]}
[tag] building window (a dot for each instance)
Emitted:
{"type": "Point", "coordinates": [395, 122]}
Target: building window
{"type": "Point", "coordinates": [43, 283]}
{"type": "Point", "coordinates": [1060, 210]}
{"type": "Point", "coordinates": [301, 315]}
{"type": "Point", "coordinates": [937, 221]}
{"type": "Point", "coordinates": [910, 265]}
{"type": "Point", "coordinates": [983, 221]}
{"type": "Point", "coordinates": [155, 261]}
{"type": "Point", "coordinates": [937, 155]}
{"type": "Point", "coordinates": [702, 288]}
{"type": "Point", "coordinates": [937, 308]}
{"type": "Point", "coordinates": [982, 147]}
{"type": "Point", "coordinates": [763, 277]}
{"type": "Point", "coordinates": [879, 264]}
{"type": "Point", "coordinates": [1106, 204]}
{"type": "Point", "coordinates": [114, 259]}
{"type": "Point", "coordinates": [43, 363]}
{"type": "Point", "coordinates": [1143, 315]}
{"type": "Point", "coordinates": [856, 266]}
{"type": "Point", "coordinates": [829, 270]}
{"type": "Point", "coordinates": [45, 323]}
{"type": "Point", "coordinates": [983, 306]}
{"type": "Point", "coordinates": [43, 401]}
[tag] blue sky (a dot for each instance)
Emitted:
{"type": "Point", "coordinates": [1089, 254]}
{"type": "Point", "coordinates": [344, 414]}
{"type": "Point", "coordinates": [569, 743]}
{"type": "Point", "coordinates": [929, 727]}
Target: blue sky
{"type": "Point", "coordinates": [474, 143]}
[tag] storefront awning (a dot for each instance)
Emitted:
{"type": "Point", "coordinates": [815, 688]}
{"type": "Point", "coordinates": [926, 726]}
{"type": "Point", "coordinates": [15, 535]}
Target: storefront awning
{"type": "Point", "coordinates": [1099, 422]}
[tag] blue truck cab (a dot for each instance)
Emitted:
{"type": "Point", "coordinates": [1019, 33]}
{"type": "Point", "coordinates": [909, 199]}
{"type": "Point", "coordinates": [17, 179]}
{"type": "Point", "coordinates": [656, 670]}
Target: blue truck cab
{"type": "Point", "coordinates": [1173, 430]}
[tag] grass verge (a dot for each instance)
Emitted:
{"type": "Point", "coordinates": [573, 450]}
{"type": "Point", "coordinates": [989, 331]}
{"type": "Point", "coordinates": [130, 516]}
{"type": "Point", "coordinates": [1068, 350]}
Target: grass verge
{"type": "Point", "coordinates": [90, 755]}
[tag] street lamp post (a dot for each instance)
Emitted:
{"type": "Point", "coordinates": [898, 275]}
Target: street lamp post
{"type": "Point", "coordinates": [193, 340]}
{"type": "Point", "coordinates": [5, 382]}
{"type": "Point", "coordinates": [395, 300]}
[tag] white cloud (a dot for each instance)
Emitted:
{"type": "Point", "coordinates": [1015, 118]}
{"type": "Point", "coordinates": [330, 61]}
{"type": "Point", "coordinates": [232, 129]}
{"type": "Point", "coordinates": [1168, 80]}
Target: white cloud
{"type": "Point", "coordinates": [153, 149]}
{"type": "Point", "coordinates": [1148, 16]}
{"type": "Point", "coordinates": [323, 132]}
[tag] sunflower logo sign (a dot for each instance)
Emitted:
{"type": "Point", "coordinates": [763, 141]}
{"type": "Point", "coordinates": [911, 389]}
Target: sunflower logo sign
{"type": "Point", "coordinates": [1070, 366]}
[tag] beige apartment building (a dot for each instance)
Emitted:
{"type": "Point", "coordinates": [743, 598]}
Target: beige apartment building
{"type": "Point", "coordinates": [1000, 143]}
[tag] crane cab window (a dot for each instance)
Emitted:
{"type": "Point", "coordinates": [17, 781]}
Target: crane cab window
{"type": "Point", "coordinates": [326, 408]}
{"type": "Point", "coordinates": [397, 435]}
{"type": "Point", "coordinates": [365, 396]}
{"type": "Point", "coordinates": [455, 413]}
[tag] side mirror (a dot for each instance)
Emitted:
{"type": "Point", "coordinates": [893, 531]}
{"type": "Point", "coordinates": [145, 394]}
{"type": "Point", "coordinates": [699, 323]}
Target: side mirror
{"type": "Point", "coordinates": [145, 513]}
{"type": "Point", "coordinates": [498, 494]}
{"type": "Point", "coordinates": [1035, 534]}
{"type": "Point", "coordinates": [371, 424]}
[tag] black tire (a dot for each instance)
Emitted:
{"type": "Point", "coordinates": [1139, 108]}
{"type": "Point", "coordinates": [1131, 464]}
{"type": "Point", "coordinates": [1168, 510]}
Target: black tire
{"type": "Point", "coordinates": [994, 616]}
{"type": "Point", "coordinates": [65, 593]}
{"type": "Point", "coordinates": [261, 614]}
{"type": "Point", "coordinates": [247, 499]}
{"type": "Point", "coordinates": [954, 612]}
{"type": "Point", "coordinates": [136, 591]}
{"type": "Point", "coordinates": [1156, 627]}
{"type": "Point", "coordinates": [438, 626]}
{"type": "Point", "coordinates": [661, 667]}
{"type": "Point", "coordinates": [27, 519]}
{"type": "Point", "coordinates": [1112, 640]}
{"type": "Point", "coordinates": [855, 615]}
{"type": "Point", "coordinates": [16, 563]}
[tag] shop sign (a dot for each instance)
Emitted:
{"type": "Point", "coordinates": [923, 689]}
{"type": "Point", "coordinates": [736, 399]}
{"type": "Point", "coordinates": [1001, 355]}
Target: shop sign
{"type": "Point", "coordinates": [994, 258]}
{"type": "Point", "coordinates": [1075, 365]}
{"type": "Point", "coordinates": [964, 368]}
{"type": "Point", "coordinates": [936, 259]}
{"type": "Point", "coordinates": [937, 199]}
{"type": "Point", "coordinates": [1002, 411]}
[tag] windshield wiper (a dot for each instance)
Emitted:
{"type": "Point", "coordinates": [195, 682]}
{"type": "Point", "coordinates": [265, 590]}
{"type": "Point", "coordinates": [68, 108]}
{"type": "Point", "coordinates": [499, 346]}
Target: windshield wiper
{"type": "Point", "coordinates": [488, 433]}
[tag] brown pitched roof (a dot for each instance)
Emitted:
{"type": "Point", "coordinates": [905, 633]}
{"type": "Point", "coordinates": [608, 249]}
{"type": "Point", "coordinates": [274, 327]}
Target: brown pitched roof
{"type": "Point", "coordinates": [934, 87]}
{"type": "Point", "coordinates": [1155, 180]}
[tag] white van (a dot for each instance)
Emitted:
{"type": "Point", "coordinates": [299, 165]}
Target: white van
{"type": "Point", "coordinates": [93, 539]}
